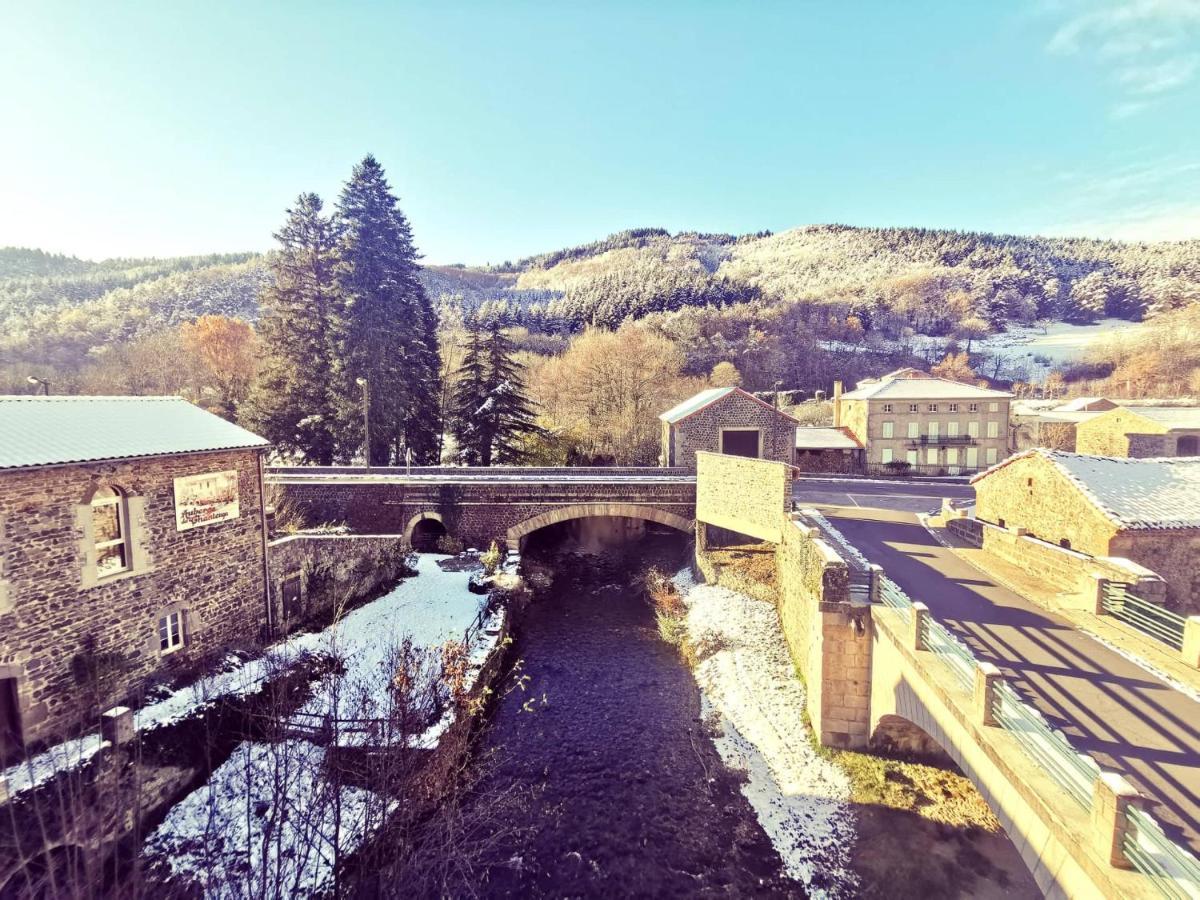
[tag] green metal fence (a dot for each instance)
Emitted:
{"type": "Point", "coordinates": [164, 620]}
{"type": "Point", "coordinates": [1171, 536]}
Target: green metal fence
{"type": "Point", "coordinates": [1175, 871]}
{"type": "Point", "coordinates": [1149, 618]}
{"type": "Point", "coordinates": [1074, 772]}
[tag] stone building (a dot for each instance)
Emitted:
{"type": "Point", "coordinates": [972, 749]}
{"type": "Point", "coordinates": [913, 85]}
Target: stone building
{"type": "Point", "coordinates": [726, 420]}
{"type": "Point", "coordinates": [1147, 511]}
{"type": "Point", "coordinates": [834, 450]}
{"type": "Point", "coordinates": [1052, 423]}
{"type": "Point", "coordinates": [910, 420]}
{"type": "Point", "coordinates": [1141, 432]}
{"type": "Point", "coordinates": [132, 546]}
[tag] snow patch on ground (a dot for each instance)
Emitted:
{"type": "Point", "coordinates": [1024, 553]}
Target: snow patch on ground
{"type": "Point", "coordinates": [229, 837]}
{"type": "Point", "coordinates": [800, 799]}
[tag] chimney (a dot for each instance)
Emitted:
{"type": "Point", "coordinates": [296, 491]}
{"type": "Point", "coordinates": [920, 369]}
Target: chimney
{"type": "Point", "coordinates": [837, 403]}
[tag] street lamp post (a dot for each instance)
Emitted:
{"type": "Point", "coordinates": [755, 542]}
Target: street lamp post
{"type": "Point", "coordinates": [366, 389]}
{"type": "Point", "coordinates": [33, 379]}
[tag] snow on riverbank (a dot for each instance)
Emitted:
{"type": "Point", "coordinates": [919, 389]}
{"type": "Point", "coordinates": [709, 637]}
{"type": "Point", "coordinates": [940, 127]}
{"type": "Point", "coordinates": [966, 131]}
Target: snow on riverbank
{"type": "Point", "coordinates": [265, 821]}
{"type": "Point", "coordinates": [801, 799]}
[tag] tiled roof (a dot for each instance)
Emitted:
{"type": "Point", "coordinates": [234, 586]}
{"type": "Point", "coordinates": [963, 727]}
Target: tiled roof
{"type": "Point", "coordinates": [47, 431]}
{"type": "Point", "coordinates": [1172, 417]}
{"type": "Point", "coordinates": [815, 438]}
{"type": "Point", "coordinates": [923, 389]}
{"type": "Point", "coordinates": [705, 398]}
{"type": "Point", "coordinates": [1134, 493]}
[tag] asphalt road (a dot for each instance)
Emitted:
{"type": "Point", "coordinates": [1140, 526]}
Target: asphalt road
{"type": "Point", "coordinates": [905, 495]}
{"type": "Point", "coordinates": [1107, 706]}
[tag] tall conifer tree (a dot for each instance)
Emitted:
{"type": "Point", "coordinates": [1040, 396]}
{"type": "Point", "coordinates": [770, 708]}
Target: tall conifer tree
{"type": "Point", "coordinates": [388, 331]}
{"type": "Point", "coordinates": [292, 403]}
{"type": "Point", "coordinates": [491, 410]}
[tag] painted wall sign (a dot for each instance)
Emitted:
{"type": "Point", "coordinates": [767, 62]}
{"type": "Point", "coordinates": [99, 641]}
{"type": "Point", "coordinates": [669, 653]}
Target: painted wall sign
{"type": "Point", "coordinates": [205, 499]}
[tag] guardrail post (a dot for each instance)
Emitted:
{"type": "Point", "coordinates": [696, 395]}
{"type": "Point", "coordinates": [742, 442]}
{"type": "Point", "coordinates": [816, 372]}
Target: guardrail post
{"type": "Point", "coordinates": [1191, 642]}
{"type": "Point", "coordinates": [1098, 598]}
{"type": "Point", "coordinates": [920, 612]}
{"type": "Point", "coordinates": [1112, 796]}
{"type": "Point", "coordinates": [876, 581]}
{"type": "Point", "coordinates": [986, 676]}
{"type": "Point", "coordinates": [116, 725]}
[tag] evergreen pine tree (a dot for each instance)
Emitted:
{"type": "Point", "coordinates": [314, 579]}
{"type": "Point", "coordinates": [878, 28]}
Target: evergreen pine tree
{"type": "Point", "coordinates": [292, 402]}
{"type": "Point", "coordinates": [389, 329]}
{"type": "Point", "coordinates": [491, 410]}
{"type": "Point", "coordinates": [470, 422]}
{"type": "Point", "coordinates": [511, 411]}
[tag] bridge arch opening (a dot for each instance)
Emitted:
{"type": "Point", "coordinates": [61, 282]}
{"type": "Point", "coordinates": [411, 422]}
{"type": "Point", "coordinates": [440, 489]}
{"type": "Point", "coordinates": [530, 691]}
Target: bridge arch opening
{"type": "Point", "coordinates": [898, 736]}
{"type": "Point", "coordinates": [599, 523]}
{"type": "Point", "coordinates": [424, 530]}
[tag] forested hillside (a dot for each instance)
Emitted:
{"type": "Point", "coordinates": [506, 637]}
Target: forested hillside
{"type": "Point", "coordinates": [834, 283]}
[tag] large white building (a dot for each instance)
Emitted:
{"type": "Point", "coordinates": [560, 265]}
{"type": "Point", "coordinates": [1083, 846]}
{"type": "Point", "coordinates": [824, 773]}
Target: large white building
{"type": "Point", "coordinates": [910, 420]}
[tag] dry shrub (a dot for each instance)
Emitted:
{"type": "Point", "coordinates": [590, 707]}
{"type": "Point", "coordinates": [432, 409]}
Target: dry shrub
{"type": "Point", "coordinates": [663, 593]}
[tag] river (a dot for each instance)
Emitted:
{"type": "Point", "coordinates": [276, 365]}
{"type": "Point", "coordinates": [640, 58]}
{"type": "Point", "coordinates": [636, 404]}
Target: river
{"type": "Point", "coordinates": [614, 787]}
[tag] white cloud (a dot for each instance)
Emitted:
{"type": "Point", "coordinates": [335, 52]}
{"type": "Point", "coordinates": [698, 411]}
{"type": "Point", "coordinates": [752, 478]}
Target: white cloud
{"type": "Point", "coordinates": [1139, 42]}
{"type": "Point", "coordinates": [1167, 222]}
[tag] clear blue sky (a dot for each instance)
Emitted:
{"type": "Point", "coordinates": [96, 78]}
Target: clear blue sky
{"type": "Point", "coordinates": [161, 128]}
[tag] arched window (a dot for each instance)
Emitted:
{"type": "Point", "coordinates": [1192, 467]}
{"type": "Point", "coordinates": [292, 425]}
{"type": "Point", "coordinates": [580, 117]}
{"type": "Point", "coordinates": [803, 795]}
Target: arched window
{"type": "Point", "coordinates": [110, 531]}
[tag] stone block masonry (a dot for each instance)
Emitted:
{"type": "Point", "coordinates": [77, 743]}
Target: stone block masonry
{"type": "Point", "coordinates": [745, 495]}
{"type": "Point", "coordinates": [479, 506]}
{"type": "Point", "coordinates": [77, 643]}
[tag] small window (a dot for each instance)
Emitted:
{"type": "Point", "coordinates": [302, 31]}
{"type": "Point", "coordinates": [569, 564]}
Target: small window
{"type": "Point", "coordinates": [993, 406]}
{"type": "Point", "coordinates": [972, 407]}
{"type": "Point", "coordinates": [993, 429]}
{"type": "Point", "coordinates": [934, 428]}
{"type": "Point", "coordinates": [952, 429]}
{"type": "Point", "coordinates": [887, 407]}
{"type": "Point", "coordinates": [914, 429]}
{"type": "Point", "coordinates": [931, 456]}
{"type": "Point", "coordinates": [889, 429]}
{"type": "Point", "coordinates": [911, 457]}
{"type": "Point", "coordinates": [933, 407]}
{"type": "Point", "coordinates": [1000, 522]}
{"type": "Point", "coordinates": [110, 531]}
{"type": "Point", "coordinates": [885, 455]}
{"type": "Point", "coordinates": [991, 456]}
{"type": "Point", "coordinates": [953, 407]}
{"type": "Point", "coordinates": [914, 407]}
{"type": "Point", "coordinates": [170, 632]}
{"type": "Point", "coordinates": [1029, 482]}
{"type": "Point", "coordinates": [973, 429]}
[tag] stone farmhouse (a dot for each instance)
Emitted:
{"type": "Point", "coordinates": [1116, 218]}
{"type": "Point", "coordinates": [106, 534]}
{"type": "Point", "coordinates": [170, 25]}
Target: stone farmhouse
{"type": "Point", "coordinates": [132, 546]}
{"type": "Point", "coordinates": [909, 419]}
{"type": "Point", "coordinates": [1141, 432]}
{"type": "Point", "coordinates": [726, 420]}
{"type": "Point", "coordinates": [1144, 510]}
{"type": "Point", "coordinates": [1051, 423]}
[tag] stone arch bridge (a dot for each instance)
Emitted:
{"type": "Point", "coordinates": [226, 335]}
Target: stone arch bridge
{"type": "Point", "coordinates": [481, 505]}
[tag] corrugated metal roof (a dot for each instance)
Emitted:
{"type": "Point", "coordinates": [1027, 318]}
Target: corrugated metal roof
{"type": "Point", "coordinates": [817, 438]}
{"type": "Point", "coordinates": [47, 431]}
{"type": "Point", "coordinates": [693, 404]}
{"type": "Point", "coordinates": [1134, 493]}
{"type": "Point", "coordinates": [923, 389]}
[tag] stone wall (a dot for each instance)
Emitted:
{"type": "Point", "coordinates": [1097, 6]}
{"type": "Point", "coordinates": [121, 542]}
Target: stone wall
{"type": "Point", "coordinates": [1172, 555]}
{"type": "Point", "coordinates": [829, 637]}
{"type": "Point", "coordinates": [701, 431]}
{"type": "Point", "coordinates": [479, 507]}
{"type": "Point", "coordinates": [742, 494]}
{"type": "Point", "coordinates": [312, 575]}
{"type": "Point", "coordinates": [78, 643]}
{"type": "Point", "coordinates": [1120, 432]}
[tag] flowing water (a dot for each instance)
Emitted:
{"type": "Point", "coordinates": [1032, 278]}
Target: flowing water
{"type": "Point", "coordinates": [617, 789]}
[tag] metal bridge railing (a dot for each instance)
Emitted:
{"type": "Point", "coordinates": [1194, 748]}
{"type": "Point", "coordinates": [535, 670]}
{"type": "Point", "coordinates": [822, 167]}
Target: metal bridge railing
{"type": "Point", "coordinates": [1073, 771]}
{"type": "Point", "coordinates": [1174, 871]}
{"type": "Point", "coordinates": [1172, 868]}
{"type": "Point", "coordinates": [1149, 618]}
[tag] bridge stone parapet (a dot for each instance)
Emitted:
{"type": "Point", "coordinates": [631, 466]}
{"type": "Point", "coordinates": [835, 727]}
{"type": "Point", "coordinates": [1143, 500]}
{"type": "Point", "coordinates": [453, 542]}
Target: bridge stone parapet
{"type": "Point", "coordinates": [482, 505]}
